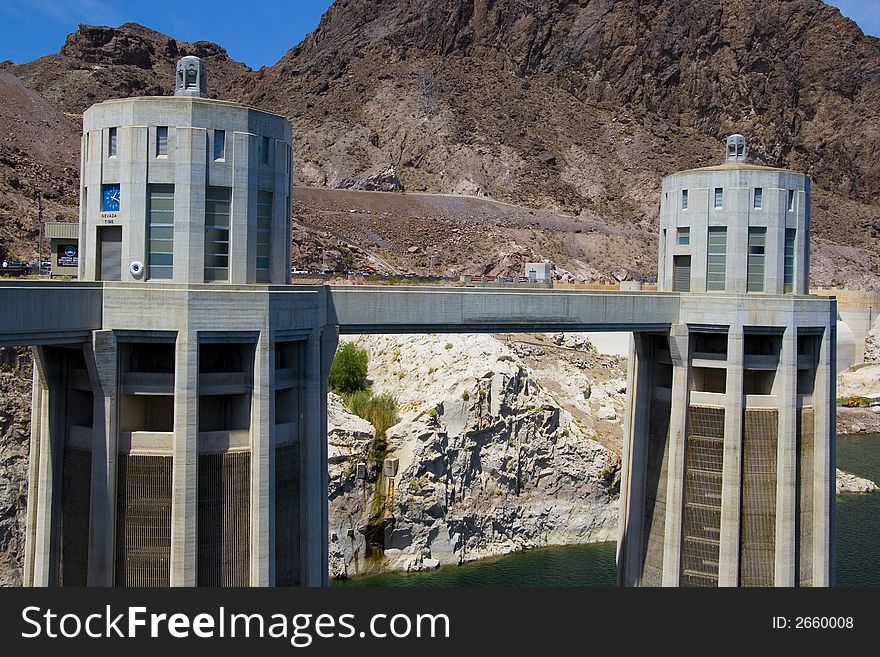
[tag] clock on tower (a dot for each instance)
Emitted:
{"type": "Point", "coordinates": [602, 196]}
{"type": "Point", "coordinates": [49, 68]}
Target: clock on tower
{"type": "Point", "coordinates": [110, 198]}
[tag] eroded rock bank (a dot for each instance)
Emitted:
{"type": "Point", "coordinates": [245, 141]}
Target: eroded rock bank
{"type": "Point", "coordinates": [15, 426]}
{"type": "Point", "coordinates": [848, 483]}
{"type": "Point", "coordinates": [489, 461]}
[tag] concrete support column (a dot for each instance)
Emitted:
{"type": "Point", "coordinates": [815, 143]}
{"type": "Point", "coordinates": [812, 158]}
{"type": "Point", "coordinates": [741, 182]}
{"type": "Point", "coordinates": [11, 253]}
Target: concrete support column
{"type": "Point", "coordinates": [625, 470]}
{"type": "Point", "coordinates": [634, 460]}
{"type": "Point", "coordinates": [37, 394]}
{"type": "Point", "coordinates": [102, 364]}
{"type": "Point", "coordinates": [786, 461]}
{"type": "Point", "coordinates": [824, 464]}
{"type": "Point", "coordinates": [321, 347]}
{"type": "Point", "coordinates": [731, 467]}
{"type": "Point", "coordinates": [679, 350]}
{"type": "Point", "coordinates": [279, 261]}
{"type": "Point", "coordinates": [47, 510]}
{"type": "Point", "coordinates": [310, 479]}
{"type": "Point", "coordinates": [185, 451]}
{"type": "Point", "coordinates": [262, 538]}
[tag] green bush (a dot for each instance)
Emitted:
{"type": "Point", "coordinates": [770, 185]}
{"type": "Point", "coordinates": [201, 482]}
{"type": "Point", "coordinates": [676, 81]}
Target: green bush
{"type": "Point", "coordinates": [378, 410]}
{"type": "Point", "coordinates": [349, 370]}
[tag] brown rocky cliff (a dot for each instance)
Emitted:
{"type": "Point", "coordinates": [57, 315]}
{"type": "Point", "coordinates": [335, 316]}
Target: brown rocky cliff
{"type": "Point", "coordinates": [583, 106]}
{"type": "Point", "coordinates": [39, 157]}
{"type": "Point", "coordinates": [15, 419]}
{"type": "Point", "coordinates": [97, 63]}
{"type": "Point", "coordinates": [569, 106]}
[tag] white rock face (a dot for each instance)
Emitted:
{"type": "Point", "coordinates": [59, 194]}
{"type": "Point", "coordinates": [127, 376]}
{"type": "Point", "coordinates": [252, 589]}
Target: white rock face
{"type": "Point", "coordinates": [859, 380]}
{"type": "Point", "coordinates": [872, 343]}
{"type": "Point", "coordinates": [490, 462]}
{"type": "Point", "coordinates": [847, 483]}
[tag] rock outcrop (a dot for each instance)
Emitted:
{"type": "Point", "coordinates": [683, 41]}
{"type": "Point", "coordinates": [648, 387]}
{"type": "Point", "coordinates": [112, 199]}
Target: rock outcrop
{"type": "Point", "coordinates": [859, 380]}
{"type": "Point", "coordinates": [583, 106]}
{"type": "Point", "coordinates": [571, 110]}
{"type": "Point", "coordinates": [385, 180]}
{"type": "Point", "coordinates": [98, 62]}
{"type": "Point", "coordinates": [489, 462]}
{"type": "Point", "coordinates": [872, 343]}
{"type": "Point", "coordinates": [848, 483]}
{"type": "Point", "coordinates": [15, 419]}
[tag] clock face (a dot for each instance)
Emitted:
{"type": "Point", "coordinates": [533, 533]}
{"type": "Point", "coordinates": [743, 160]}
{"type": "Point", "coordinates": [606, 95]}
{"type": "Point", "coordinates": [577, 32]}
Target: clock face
{"type": "Point", "coordinates": [110, 198]}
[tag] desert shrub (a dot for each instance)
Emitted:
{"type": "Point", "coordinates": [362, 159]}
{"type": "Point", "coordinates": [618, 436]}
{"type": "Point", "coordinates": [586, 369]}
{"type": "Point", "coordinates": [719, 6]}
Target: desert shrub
{"type": "Point", "coordinates": [378, 410]}
{"type": "Point", "coordinates": [349, 370]}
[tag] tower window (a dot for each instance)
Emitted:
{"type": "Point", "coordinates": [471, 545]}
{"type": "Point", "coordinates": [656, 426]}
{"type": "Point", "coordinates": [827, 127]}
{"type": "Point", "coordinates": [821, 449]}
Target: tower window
{"type": "Point", "coordinates": [759, 197]}
{"type": "Point", "coordinates": [264, 150]}
{"type": "Point", "coordinates": [755, 273]}
{"type": "Point", "coordinates": [788, 267]}
{"type": "Point", "coordinates": [217, 212]}
{"type": "Point", "coordinates": [684, 199]}
{"type": "Point", "coordinates": [219, 144]}
{"type": "Point", "coordinates": [791, 200]}
{"type": "Point", "coordinates": [162, 140]}
{"type": "Point", "coordinates": [264, 235]}
{"type": "Point", "coordinates": [161, 231]}
{"type": "Point", "coordinates": [719, 197]}
{"type": "Point", "coordinates": [111, 142]}
{"type": "Point", "coordinates": [717, 259]}
{"type": "Point", "coordinates": [684, 236]}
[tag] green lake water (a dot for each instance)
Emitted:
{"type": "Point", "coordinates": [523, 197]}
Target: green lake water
{"type": "Point", "coordinates": [858, 545]}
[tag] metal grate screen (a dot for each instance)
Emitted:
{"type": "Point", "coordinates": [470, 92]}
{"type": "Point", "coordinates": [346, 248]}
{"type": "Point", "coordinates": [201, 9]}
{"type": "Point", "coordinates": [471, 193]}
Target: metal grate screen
{"type": "Point", "coordinates": [702, 496]}
{"type": "Point", "coordinates": [758, 510]}
{"type": "Point", "coordinates": [224, 519]}
{"type": "Point", "coordinates": [143, 521]}
{"type": "Point", "coordinates": [287, 515]}
{"type": "Point", "coordinates": [75, 504]}
{"type": "Point", "coordinates": [804, 512]}
{"type": "Point", "coordinates": [655, 494]}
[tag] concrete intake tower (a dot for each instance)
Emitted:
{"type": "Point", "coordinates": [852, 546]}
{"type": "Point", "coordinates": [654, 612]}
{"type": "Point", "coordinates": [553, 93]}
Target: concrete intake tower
{"type": "Point", "coordinates": [729, 454]}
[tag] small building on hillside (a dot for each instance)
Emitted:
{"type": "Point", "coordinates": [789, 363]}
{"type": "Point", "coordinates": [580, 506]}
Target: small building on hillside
{"type": "Point", "coordinates": [64, 248]}
{"type": "Point", "coordinates": [539, 272]}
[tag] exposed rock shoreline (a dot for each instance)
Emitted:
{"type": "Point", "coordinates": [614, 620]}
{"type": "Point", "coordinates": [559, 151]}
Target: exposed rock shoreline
{"type": "Point", "coordinates": [847, 483]}
{"type": "Point", "coordinates": [851, 421]}
{"type": "Point", "coordinates": [490, 462]}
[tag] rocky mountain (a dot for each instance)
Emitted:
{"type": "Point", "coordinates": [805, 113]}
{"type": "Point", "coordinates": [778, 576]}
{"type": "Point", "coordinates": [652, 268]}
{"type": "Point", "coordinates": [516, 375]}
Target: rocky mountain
{"type": "Point", "coordinates": [39, 172]}
{"type": "Point", "coordinates": [575, 108]}
{"type": "Point", "coordinates": [97, 63]}
{"type": "Point", "coordinates": [15, 420]}
{"type": "Point", "coordinates": [581, 106]}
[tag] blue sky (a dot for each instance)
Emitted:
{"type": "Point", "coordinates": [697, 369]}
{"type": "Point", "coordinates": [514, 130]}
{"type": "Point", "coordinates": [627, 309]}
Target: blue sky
{"type": "Point", "coordinates": [257, 32]}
